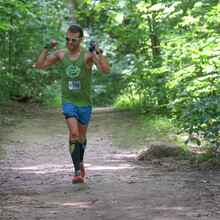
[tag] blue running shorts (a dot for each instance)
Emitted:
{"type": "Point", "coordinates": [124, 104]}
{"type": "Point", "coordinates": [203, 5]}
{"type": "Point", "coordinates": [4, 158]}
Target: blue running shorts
{"type": "Point", "coordinates": [83, 114]}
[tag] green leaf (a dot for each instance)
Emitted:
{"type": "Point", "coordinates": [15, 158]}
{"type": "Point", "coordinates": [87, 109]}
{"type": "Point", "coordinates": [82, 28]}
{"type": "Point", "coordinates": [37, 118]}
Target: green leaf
{"type": "Point", "coordinates": [187, 141]}
{"type": "Point", "coordinates": [198, 142]}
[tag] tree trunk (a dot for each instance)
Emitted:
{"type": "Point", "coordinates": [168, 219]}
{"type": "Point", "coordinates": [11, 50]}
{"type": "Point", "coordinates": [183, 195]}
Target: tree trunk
{"type": "Point", "coordinates": [73, 8]}
{"type": "Point", "coordinates": [155, 42]}
{"type": "Point", "coordinates": [10, 61]}
{"type": "Point", "coordinates": [157, 61]}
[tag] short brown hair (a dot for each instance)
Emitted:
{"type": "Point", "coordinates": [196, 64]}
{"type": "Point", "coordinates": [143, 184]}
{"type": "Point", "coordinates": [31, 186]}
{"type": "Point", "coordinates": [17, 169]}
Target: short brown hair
{"type": "Point", "coordinates": [75, 29]}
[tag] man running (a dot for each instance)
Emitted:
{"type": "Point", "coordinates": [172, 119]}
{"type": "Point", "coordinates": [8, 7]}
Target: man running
{"type": "Point", "coordinates": [76, 63]}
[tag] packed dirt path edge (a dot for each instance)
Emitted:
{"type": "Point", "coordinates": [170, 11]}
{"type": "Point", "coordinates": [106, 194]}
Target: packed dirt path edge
{"type": "Point", "coordinates": [36, 173]}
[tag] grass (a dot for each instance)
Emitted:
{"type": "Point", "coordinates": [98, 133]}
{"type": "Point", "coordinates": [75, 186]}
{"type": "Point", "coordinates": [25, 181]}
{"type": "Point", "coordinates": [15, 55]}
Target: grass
{"type": "Point", "coordinates": [124, 103]}
{"type": "Point", "coordinates": [146, 129]}
{"type": "Point", "coordinates": [53, 103]}
{"type": "Point", "coordinates": [1, 123]}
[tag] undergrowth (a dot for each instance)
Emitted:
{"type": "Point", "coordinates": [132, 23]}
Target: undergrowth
{"type": "Point", "coordinates": [150, 127]}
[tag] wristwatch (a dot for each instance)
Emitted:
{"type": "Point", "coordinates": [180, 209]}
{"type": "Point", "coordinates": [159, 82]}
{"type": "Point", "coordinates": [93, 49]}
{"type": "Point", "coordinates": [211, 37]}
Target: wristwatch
{"type": "Point", "coordinates": [100, 51]}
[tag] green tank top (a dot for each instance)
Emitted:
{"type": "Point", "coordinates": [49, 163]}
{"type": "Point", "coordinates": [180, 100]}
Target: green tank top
{"type": "Point", "coordinates": [76, 81]}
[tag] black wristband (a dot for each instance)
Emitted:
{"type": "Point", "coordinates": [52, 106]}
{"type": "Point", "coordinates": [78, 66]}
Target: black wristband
{"type": "Point", "coordinates": [47, 48]}
{"type": "Point", "coordinates": [100, 51]}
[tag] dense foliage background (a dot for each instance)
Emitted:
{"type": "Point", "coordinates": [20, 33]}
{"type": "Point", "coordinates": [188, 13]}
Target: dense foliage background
{"type": "Point", "coordinates": [164, 56]}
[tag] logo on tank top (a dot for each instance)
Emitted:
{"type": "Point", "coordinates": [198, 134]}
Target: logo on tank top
{"type": "Point", "coordinates": [73, 71]}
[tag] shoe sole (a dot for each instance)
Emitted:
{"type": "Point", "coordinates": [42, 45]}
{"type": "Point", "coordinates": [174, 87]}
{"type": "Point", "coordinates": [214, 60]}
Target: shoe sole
{"type": "Point", "coordinates": [77, 180]}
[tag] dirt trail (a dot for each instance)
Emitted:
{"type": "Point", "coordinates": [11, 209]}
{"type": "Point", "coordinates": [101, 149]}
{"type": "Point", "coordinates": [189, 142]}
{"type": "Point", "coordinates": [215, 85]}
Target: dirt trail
{"type": "Point", "coordinates": [36, 173]}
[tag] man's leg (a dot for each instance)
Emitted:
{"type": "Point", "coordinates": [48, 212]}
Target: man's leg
{"type": "Point", "coordinates": [74, 147]}
{"type": "Point", "coordinates": [84, 115]}
{"type": "Point", "coordinates": [82, 142]}
{"type": "Point", "coordinates": [82, 139]}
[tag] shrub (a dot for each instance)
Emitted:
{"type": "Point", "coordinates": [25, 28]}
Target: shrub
{"type": "Point", "coordinates": [201, 121]}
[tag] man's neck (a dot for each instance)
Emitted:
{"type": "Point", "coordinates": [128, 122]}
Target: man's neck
{"type": "Point", "coordinates": [76, 50]}
{"type": "Point", "coordinates": [74, 54]}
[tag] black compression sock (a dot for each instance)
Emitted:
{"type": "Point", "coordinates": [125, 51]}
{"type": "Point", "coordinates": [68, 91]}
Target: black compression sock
{"type": "Point", "coordinates": [74, 148]}
{"type": "Point", "coordinates": [81, 153]}
{"type": "Point", "coordinates": [82, 149]}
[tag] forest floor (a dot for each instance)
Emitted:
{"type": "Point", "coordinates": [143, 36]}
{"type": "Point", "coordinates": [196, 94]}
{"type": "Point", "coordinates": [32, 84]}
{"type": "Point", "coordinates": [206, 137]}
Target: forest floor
{"type": "Point", "coordinates": [36, 174]}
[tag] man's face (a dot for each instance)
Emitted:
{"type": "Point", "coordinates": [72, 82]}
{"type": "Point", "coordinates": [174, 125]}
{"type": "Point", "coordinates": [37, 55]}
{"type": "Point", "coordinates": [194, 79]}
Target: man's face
{"type": "Point", "coordinates": [73, 41]}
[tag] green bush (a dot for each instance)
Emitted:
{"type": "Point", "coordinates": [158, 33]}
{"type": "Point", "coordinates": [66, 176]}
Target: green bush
{"type": "Point", "coordinates": [106, 88]}
{"type": "Point", "coordinates": [4, 85]}
{"type": "Point", "coordinates": [201, 121]}
{"type": "Point", "coordinates": [49, 95]}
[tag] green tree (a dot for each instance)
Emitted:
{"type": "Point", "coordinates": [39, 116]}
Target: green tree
{"type": "Point", "coordinates": [164, 54]}
{"type": "Point", "coordinates": [26, 29]}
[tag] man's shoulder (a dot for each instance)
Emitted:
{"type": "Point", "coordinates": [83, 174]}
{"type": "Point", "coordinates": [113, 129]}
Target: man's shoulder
{"type": "Point", "coordinates": [60, 53]}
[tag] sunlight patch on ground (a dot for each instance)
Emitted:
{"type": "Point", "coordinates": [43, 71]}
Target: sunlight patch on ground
{"type": "Point", "coordinates": [78, 204]}
{"type": "Point", "coordinates": [43, 168]}
{"type": "Point", "coordinates": [126, 155]}
{"type": "Point", "coordinates": [55, 168]}
{"type": "Point", "coordinates": [103, 109]}
{"type": "Point", "coordinates": [119, 167]}
{"type": "Point", "coordinates": [171, 208]}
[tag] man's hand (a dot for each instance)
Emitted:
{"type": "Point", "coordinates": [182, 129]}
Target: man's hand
{"type": "Point", "coordinates": [93, 45]}
{"type": "Point", "coordinates": [54, 43]}
{"type": "Point", "coordinates": [51, 44]}
{"type": "Point", "coordinates": [96, 46]}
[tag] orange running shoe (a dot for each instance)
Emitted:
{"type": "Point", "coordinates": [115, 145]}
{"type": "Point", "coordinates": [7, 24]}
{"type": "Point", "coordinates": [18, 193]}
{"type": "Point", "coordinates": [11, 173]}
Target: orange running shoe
{"type": "Point", "coordinates": [83, 170]}
{"type": "Point", "coordinates": [78, 178]}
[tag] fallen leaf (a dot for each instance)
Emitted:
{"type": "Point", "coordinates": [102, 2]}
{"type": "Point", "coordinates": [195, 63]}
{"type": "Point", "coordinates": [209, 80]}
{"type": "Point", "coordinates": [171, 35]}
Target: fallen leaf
{"type": "Point", "coordinates": [201, 215]}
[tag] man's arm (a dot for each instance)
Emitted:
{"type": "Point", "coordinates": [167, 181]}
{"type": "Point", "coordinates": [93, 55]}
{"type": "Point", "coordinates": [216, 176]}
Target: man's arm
{"type": "Point", "coordinates": [100, 61]}
{"type": "Point", "coordinates": [45, 61]}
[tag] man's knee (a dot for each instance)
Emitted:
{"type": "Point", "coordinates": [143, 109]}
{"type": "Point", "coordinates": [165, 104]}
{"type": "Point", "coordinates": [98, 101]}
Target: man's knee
{"type": "Point", "coordinates": [74, 135]}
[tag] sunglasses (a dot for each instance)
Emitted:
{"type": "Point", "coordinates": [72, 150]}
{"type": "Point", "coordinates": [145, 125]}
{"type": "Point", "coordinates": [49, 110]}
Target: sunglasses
{"type": "Point", "coordinates": [74, 40]}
